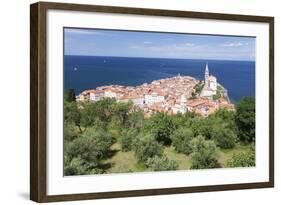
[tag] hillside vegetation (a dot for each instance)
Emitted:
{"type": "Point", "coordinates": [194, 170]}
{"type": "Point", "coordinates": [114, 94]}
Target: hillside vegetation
{"type": "Point", "coordinates": [113, 137]}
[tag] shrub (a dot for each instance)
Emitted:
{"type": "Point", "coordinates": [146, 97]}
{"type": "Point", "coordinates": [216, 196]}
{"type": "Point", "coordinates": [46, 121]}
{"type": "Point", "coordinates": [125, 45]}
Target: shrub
{"type": "Point", "coordinates": [243, 159]}
{"type": "Point", "coordinates": [83, 154]}
{"type": "Point", "coordinates": [78, 166]}
{"type": "Point", "coordinates": [224, 137]}
{"type": "Point", "coordinates": [157, 163]}
{"type": "Point", "coordinates": [181, 140]}
{"type": "Point", "coordinates": [147, 147]}
{"type": "Point", "coordinates": [204, 154]}
{"type": "Point", "coordinates": [127, 138]}
{"type": "Point", "coordinates": [84, 149]}
{"type": "Point", "coordinates": [75, 167]}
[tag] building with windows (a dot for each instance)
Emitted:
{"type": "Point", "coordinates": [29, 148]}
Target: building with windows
{"type": "Point", "coordinates": [96, 95]}
{"type": "Point", "coordinates": [154, 97]}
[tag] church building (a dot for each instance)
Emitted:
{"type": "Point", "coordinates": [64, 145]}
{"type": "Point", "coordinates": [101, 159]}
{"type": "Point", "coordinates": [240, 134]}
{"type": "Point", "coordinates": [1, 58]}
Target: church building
{"type": "Point", "coordinates": [210, 85]}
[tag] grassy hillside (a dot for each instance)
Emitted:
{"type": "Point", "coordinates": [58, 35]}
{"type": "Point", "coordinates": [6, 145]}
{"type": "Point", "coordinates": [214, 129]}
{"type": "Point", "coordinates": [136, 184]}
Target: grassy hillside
{"type": "Point", "coordinates": [124, 162]}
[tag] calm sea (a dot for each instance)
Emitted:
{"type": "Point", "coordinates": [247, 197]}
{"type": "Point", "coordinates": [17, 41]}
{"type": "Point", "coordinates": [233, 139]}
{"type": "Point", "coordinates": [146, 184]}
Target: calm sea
{"type": "Point", "coordinates": [85, 72]}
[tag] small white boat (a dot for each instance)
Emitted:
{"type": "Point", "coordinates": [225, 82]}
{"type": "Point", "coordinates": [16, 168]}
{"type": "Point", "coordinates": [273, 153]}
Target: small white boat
{"type": "Point", "coordinates": [75, 68]}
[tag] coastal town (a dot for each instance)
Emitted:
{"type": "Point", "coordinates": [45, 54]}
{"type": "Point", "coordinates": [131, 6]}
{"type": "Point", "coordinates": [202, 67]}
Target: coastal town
{"type": "Point", "coordinates": [178, 94]}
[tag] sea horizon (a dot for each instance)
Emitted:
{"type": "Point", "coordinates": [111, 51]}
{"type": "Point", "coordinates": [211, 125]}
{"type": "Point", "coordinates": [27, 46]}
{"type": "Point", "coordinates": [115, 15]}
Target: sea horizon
{"type": "Point", "coordinates": [239, 60]}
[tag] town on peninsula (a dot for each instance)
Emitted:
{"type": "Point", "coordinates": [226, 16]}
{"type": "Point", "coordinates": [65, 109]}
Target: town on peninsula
{"type": "Point", "coordinates": [178, 94]}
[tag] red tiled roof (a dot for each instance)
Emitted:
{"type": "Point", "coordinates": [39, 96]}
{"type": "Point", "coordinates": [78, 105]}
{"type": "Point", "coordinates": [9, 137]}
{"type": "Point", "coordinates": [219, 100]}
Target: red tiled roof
{"type": "Point", "coordinates": [95, 91]}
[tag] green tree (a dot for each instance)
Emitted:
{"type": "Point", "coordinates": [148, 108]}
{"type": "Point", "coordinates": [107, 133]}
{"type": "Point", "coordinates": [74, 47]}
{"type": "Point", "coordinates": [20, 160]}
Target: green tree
{"type": "Point", "coordinates": [223, 136]}
{"type": "Point", "coordinates": [157, 163]}
{"type": "Point", "coordinates": [204, 154]}
{"type": "Point", "coordinates": [101, 139]}
{"type": "Point", "coordinates": [161, 126]}
{"type": "Point", "coordinates": [223, 114]}
{"type": "Point", "coordinates": [136, 119]}
{"type": "Point", "coordinates": [83, 154]}
{"type": "Point", "coordinates": [75, 167]}
{"type": "Point", "coordinates": [181, 139]}
{"type": "Point", "coordinates": [199, 87]}
{"type": "Point", "coordinates": [105, 108]}
{"type": "Point", "coordinates": [70, 132]}
{"type": "Point", "coordinates": [243, 159]}
{"type": "Point", "coordinates": [82, 151]}
{"type": "Point", "coordinates": [69, 95]}
{"type": "Point", "coordinates": [102, 110]}
{"type": "Point", "coordinates": [203, 126]}
{"type": "Point", "coordinates": [217, 95]}
{"type": "Point", "coordinates": [245, 119]}
{"type": "Point", "coordinates": [146, 147]}
{"type": "Point", "coordinates": [114, 127]}
{"type": "Point", "coordinates": [88, 115]}
{"type": "Point", "coordinates": [121, 110]}
{"type": "Point", "coordinates": [127, 138]}
{"type": "Point", "coordinates": [178, 119]}
{"type": "Point", "coordinates": [72, 114]}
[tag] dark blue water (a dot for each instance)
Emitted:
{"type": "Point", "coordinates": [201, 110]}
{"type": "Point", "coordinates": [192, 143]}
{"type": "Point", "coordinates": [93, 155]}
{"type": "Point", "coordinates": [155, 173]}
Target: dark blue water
{"type": "Point", "coordinates": [238, 77]}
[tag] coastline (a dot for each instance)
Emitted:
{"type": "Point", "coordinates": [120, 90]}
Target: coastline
{"type": "Point", "coordinates": [95, 71]}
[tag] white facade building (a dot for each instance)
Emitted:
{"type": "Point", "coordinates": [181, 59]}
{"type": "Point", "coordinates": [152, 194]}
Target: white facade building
{"type": "Point", "coordinates": [138, 101]}
{"type": "Point", "coordinates": [153, 98]}
{"type": "Point", "coordinates": [96, 95]}
{"type": "Point", "coordinates": [176, 108]}
{"type": "Point", "coordinates": [183, 105]}
{"type": "Point", "coordinates": [110, 94]}
{"type": "Point", "coordinates": [213, 82]}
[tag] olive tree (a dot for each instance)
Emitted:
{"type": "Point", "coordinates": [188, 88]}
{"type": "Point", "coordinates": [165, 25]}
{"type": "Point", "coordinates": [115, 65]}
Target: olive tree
{"type": "Point", "coordinates": [157, 163]}
{"type": "Point", "coordinates": [204, 154]}
{"type": "Point", "coordinates": [147, 147]}
{"type": "Point", "coordinates": [181, 139]}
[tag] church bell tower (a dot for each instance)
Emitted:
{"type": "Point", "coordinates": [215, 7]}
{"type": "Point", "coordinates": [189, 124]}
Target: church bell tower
{"type": "Point", "coordinates": [207, 75]}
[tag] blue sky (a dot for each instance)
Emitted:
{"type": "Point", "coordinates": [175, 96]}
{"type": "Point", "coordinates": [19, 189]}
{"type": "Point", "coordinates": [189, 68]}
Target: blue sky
{"type": "Point", "coordinates": [97, 42]}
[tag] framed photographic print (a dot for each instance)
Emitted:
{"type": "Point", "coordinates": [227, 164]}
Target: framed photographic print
{"type": "Point", "coordinates": [134, 102]}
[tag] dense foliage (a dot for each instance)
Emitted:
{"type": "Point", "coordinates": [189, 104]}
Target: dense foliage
{"type": "Point", "coordinates": [218, 93]}
{"type": "Point", "coordinates": [91, 129]}
{"type": "Point", "coordinates": [223, 136]}
{"type": "Point", "coordinates": [245, 119]}
{"type": "Point", "coordinates": [84, 153]}
{"type": "Point", "coordinates": [161, 127]}
{"type": "Point", "coordinates": [161, 163]}
{"type": "Point", "coordinates": [243, 159]}
{"type": "Point", "coordinates": [127, 139]}
{"type": "Point", "coordinates": [146, 147]}
{"type": "Point", "coordinates": [72, 114]}
{"type": "Point", "coordinates": [204, 154]}
{"type": "Point", "coordinates": [69, 95]}
{"type": "Point", "coordinates": [181, 140]}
